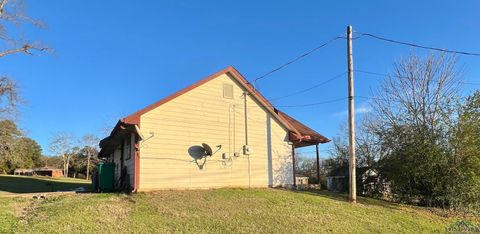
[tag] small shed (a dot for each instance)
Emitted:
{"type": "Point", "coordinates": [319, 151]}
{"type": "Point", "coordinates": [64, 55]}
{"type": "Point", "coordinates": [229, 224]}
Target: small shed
{"type": "Point", "coordinates": [337, 179]}
{"type": "Point", "coordinates": [46, 171]}
{"type": "Point", "coordinates": [24, 172]}
{"type": "Point", "coordinates": [302, 182]}
{"type": "Point", "coordinates": [367, 179]}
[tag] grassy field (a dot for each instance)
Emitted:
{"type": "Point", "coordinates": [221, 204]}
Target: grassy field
{"type": "Point", "coordinates": [218, 211]}
{"type": "Point", "coordinates": [35, 184]}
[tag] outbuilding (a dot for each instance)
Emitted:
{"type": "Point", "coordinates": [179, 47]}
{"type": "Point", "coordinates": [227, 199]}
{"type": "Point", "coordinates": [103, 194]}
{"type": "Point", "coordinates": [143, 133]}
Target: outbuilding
{"type": "Point", "coordinates": [218, 132]}
{"type": "Point", "coordinates": [47, 171]}
{"type": "Point", "coordinates": [24, 172]}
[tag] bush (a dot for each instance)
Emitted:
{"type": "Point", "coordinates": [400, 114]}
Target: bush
{"type": "Point", "coordinates": [463, 226]}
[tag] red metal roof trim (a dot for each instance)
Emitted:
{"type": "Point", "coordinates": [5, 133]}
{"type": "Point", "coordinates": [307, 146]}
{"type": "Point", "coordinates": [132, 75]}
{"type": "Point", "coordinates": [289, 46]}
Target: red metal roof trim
{"type": "Point", "coordinates": [308, 134]}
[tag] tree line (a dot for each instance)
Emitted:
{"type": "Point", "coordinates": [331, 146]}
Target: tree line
{"type": "Point", "coordinates": [76, 157]}
{"type": "Point", "coordinates": [422, 138]}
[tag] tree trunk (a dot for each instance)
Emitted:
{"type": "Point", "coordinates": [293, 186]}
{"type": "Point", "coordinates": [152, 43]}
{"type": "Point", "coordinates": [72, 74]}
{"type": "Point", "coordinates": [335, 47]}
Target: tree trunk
{"type": "Point", "coordinates": [66, 168]}
{"type": "Point", "coordinates": [88, 163]}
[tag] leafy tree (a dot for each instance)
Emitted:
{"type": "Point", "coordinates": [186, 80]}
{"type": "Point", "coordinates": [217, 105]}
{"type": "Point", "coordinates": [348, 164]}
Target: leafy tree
{"type": "Point", "coordinates": [16, 150]}
{"type": "Point", "coordinates": [9, 134]}
{"type": "Point", "coordinates": [29, 151]}
{"type": "Point", "coordinates": [464, 165]}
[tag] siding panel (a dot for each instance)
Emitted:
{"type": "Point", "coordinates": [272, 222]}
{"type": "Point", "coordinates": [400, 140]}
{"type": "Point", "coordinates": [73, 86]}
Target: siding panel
{"type": "Point", "coordinates": [202, 115]}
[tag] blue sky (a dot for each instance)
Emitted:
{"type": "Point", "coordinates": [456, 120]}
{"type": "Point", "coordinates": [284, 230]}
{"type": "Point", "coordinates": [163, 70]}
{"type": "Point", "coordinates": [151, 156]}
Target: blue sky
{"type": "Point", "coordinates": [107, 51]}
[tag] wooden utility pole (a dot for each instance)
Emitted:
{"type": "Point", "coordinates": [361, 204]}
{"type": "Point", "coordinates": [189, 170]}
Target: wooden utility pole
{"type": "Point", "coordinates": [351, 120]}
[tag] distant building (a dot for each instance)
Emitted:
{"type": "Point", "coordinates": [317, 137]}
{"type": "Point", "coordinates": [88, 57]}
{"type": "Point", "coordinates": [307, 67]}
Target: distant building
{"type": "Point", "coordinates": [302, 182]}
{"type": "Point", "coordinates": [44, 171]}
{"type": "Point", "coordinates": [337, 183]}
{"type": "Point", "coordinates": [369, 182]}
{"type": "Point", "coordinates": [24, 172]}
{"type": "Point", "coordinates": [52, 172]}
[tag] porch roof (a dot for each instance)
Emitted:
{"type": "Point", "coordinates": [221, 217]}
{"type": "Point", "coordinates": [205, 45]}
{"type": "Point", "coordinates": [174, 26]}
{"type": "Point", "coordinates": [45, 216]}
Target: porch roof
{"type": "Point", "coordinates": [309, 136]}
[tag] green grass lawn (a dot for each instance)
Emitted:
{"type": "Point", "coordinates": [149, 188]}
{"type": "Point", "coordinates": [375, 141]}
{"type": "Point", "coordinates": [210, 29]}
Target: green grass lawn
{"type": "Point", "coordinates": [35, 184]}
{"type": "Point", "coordinates": [218, 211]}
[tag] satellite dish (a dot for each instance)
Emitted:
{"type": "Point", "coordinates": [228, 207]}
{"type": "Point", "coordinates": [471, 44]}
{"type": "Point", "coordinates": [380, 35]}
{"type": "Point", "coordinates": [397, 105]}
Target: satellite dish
{"type": "Point", "coordinates": [208, 149]}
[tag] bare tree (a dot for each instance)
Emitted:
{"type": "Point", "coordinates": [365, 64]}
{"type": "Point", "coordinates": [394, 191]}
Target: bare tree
{"type": "Point", "coordinates": [368, 148]}
{"type": "Point", "coordinates": [9, 97]}
{"type": "Point", "coordinates": [90, 142]}
{"type": "Point", "coordinates": [62, 145]}
{"type": "Point", "coordinates": [414, 112]}
{"type": "Point", "coordinates": [421, 91]}
{"type": "Point", "coordinates": [13, 15]}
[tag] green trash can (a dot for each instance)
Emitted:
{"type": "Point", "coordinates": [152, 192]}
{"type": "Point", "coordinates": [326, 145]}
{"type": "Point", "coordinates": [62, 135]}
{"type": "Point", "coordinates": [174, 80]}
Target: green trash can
{"type": "Point", "coordinates": [106, 173]}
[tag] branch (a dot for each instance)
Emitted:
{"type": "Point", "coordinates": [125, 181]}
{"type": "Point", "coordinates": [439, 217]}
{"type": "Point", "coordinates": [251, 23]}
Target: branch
{"type": "Point", "coordinates": [25, 49]}
{"type": "Point", "coordinates": [2, 6]}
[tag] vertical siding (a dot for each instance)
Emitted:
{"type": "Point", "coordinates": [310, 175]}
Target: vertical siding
{"type": "Point", "coordinates": [127, 159]}
{"type": "Point", "coordinates": [203, 115]}
{"type": "Point", "coordinates": [116, 160]}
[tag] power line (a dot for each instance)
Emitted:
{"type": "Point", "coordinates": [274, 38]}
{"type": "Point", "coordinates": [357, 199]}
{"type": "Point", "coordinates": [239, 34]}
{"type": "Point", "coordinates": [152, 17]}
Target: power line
{"type": "Point", "coordinates": [311, 87]}
{"type": "Point", "coordinates": [470, 83]}
{"type": "Point", "coordinates": [381, 99]}
{"type": "Point", "coordinates": [296, 59]}
{"type": "Point", "coordinates": [316, 103]}
{"type": "Point", "coordinates": [374, 98]}
{"type": "Point", "coordinates": [387, 75]}
{"type": "Point", "coordinates": [418, 46]}
{"type": "Point", "coordinates": [303, 105]}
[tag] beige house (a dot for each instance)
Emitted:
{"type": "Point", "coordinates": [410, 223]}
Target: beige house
{"type": "Point", "coordinates": [219, 132]}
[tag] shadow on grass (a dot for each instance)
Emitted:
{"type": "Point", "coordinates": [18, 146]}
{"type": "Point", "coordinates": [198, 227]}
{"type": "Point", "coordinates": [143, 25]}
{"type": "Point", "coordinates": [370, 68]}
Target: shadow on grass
{"type": "Point", "coordinates": [29, 184]}
{"type": "Point", "coordinates": [344, 198]}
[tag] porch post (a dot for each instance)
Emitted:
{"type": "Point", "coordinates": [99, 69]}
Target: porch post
{"type": "Point", "coordinates": [293, 167]}
{"type": "Point", "coordinates": [318, 164]}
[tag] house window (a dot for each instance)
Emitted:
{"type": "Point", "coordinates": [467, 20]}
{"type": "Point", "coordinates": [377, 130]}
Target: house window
{"type": "Point", "coordinates": [228, 91]}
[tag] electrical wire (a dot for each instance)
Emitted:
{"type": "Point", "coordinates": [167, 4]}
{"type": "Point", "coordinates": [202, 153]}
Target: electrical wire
{"type": "Point", "coordinates": [417, 45]}
{"type": "Point", "coordinates": [387, 75]}
{"type": "Point", "coordinates": [310, 88]}
{"type": "Point", "coordinates": [374, 98]}
{"type": "Point", "coordinates": [302, 105]}
{"type": "Point", "coordinates": [316, 103]}
{"type": "Point", "coordinates": [296, 59]}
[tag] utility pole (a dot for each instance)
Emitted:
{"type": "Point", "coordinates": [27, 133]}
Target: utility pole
{"type": "Point", "coordinates": [351, 120]}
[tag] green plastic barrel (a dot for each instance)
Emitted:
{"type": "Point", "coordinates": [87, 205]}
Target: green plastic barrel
{"type": "Point", "coordinates": [106, 173]}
